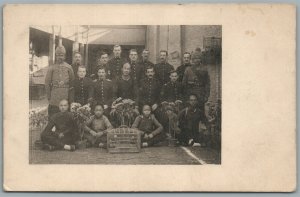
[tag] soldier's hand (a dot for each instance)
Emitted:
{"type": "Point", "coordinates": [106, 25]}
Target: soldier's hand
{"type": "Point", "coordinates": [150, 135]}
{"type": "Point", "coordinates": [105, 106]}
{"type": "Point", "coordinates": [93, 133]}
{"type": "Point", "coordinates": [178, 101]}
{"type": "Point", "coordinates": [61, 135]}
{"type": "Point", "coordinates": [154, 107]}
{"type": "Point", "coordinates": [146, 136]}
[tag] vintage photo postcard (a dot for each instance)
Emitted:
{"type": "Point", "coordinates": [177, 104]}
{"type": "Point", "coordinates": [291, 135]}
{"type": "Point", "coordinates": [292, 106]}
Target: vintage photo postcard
{"type": "Point", "coordinates": [157, 97]}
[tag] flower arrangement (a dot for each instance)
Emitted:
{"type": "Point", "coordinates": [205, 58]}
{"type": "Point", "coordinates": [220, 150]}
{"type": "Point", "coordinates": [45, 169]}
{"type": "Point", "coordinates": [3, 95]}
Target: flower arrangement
{"type": "Point", "coordinates": [81, 114]}
{"type": "Point", "coordinates": [123, 112]}
{"type": "Point", "coordinates": [38, 117]}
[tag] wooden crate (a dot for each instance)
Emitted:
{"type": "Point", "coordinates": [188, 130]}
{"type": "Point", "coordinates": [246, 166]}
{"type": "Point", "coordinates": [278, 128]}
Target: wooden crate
{"type": "Point", "coordinates": [124, 140]}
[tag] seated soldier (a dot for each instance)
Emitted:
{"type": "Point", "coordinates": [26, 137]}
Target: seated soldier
{"type": "Point", "coordinates": [189, 119]}
{"type": "Point", "coordinates": [151, 129]}
{"type": "Point", "coordinates": [61, 131]}
{"type": "Point", "coordinates": [96, 128]}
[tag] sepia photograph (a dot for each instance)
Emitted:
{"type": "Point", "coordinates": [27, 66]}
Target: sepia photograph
{"type": "Point", "coordinates": [149, 97]}
{"type": "Point", "coordinates": [125, 94]}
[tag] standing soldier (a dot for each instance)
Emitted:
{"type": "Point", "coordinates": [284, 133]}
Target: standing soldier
{"type": "Point", "coordinates": [83, 87]}
{"type": "Point", "coordinates": [77, 62]}
{"type": "Point", "coordinates": [149, 90]}
{"type": "Point", "coordinates": [186, 63]}
{"type": "Point", "coordinates": [145, 61]}
{"type": "Point", "coordinates": [136, 68]}
{"type": "Point", "coordinates": [163, 68]}
{"type": "Point", "coordinates": [102, 61]}
{"type": "Point", "coordinates": [116, 63]}
{"type": "Point", "coordinates": [103, 93]}
{"type": "Point", "coordinates": [196, 81]}
{"type": "Point", "coordinates": [59, 81]}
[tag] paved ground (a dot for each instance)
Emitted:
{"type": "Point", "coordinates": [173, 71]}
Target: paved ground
{"type": "Point", "coordinates": [153, 155]}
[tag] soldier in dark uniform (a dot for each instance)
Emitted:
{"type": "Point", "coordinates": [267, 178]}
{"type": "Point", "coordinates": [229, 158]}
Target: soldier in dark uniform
{"type": "Point", "coordinates": [173, 90]}
{"type": "Point", "coordinates": [163, 68]}
{"type": "Point", "coordinates": [65, 133]}
{"type": "Point", "coordinates": [77, 62]}
{"type": "Point", "coordinates": [196, 81]}
{"type": "Point", "coordinates": [125, 86]}
{"type": "Point", "coordinates": [103, 91]}
{"type": "Point", "coordinates": [145, 62]}
{"type": "Point", "coordinates": [186, 63]}
{"type": "Point", "coordinates": [59, 81]}
{"type": "Point", "coordinates": [136, 68]}
{"type": "Point", "coordinates": [83, 87]}
{"type": "Point", "coordinates": [102, 61]}
{"type": "Point", "coordinates": [149, 90]}
{"type": "Point", "coordinates": [189, 119]}
{"type": "Point", "coordinates": [116, 63]}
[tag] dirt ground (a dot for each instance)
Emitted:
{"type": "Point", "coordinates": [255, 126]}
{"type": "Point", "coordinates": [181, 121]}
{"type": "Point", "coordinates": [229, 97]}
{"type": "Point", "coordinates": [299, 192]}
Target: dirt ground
{"type": "Point", "coordinates": [161, 155]}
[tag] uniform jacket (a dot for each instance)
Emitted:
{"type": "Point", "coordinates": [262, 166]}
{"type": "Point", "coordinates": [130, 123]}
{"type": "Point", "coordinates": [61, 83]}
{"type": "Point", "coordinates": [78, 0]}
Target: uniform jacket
{"type": "Point", "coordinates": [83, 90]}
{"type": "Point", "coordinates": [115, 67]}
{"type": "Point", "coordinates": [181, 70]}
{"type": "Point", "coordinates": [58, 83]}
{"type": "Point", "coordinates": [103, 92]}
{"type": "Point", "coordinates": [162, 72]}
{"type": "Point", "coordinates": [149, 91]}
{"type": "Point", "coordinates": [126, 89]}
{"type": "Point", "coordinates": [171, 92]}
{"type": "Point", "coordinates": [196, 80]}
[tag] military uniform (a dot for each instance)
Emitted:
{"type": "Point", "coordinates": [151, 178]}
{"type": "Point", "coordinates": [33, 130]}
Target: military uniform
{"type": "Point", "coordinates": [149, 92]}
{"type": "Point", "coordinates": [171, 92]}
{"type": "Point", "coordinates": [180, 71]}
{"type": "Point", "coordinates": [115, 67]}
{"type": "Point", "coordinates": [58, 82]}
{"type": "Point", "coordinates": [162, 72]}
{"type": "Point", "coordinates": [103, 92]}
{"type": "Point", "coordinates": [63, 123]}
{"type": "Point", "coordinates": [126, 89]}
{"type": "Point", "coordinates": [83, 90]}
{"type": "Point", "coordinates": [145, 65]}
{"type": "Point", "coordinates": [94, 74]}
{"type": "Point", "coordinates": [136, 72]}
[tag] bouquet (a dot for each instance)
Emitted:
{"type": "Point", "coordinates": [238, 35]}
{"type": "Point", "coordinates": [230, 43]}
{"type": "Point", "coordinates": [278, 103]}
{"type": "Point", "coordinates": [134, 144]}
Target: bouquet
{"type": "Point", "coordinates": [81, 114]}
{"type": "Point", "coordinates": [123, 112]}
{"type": "Point", "coordinates": [38, 117]}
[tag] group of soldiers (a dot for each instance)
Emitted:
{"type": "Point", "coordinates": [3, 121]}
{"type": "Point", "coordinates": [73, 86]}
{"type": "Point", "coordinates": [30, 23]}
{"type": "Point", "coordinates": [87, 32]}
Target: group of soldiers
{"type": "Point", "coordinates": [154, 85]}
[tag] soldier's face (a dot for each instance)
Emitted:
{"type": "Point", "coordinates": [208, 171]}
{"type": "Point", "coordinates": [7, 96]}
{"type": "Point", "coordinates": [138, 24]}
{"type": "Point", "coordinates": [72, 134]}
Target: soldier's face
{"type": "Point", "coordinates": [173, 77]}
{"type": "Point", "coordinates": [103, 59]}
{"type": "Point", "coordinates": [81, 72]}
{"type": "Point", "coordinates": [150, 73]}
{"type": "Point", "coordinates": [101, 73]}
{"type": "Point", "coordinates": [117, 51]}
{"type": "Point", "coordinates": [145, 55]}
{"type": "Point", "coordinates": [163, 56]}
{"type": "Point", "coordinates": [193, 101]}
{"type": "Point", "coordinates": [146, 110]}
{"type": "Point", "coordinates": [77, 58]}
{"type": "Point", "coordinates": [126, 69]}
{"type": "Point", "coordinates": [60, 57]}
{"type": "Point", "coordinates": [133, 56]}
{"type": "Point", "coordinates": [186, 58]}
{"type": "Point", "coordinates": [98, 111]}
{"type": "Point", "coordinates": [63, 106]}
